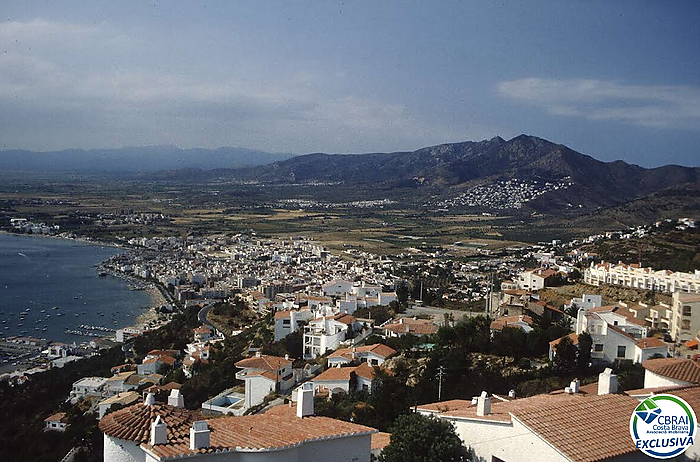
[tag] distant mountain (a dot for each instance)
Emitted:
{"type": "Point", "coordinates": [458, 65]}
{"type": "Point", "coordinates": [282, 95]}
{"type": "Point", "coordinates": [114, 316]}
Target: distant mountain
{"type": "Point", "coordinates": [454, 167]}
{"type": "Point", "coordinates": [132, 160]}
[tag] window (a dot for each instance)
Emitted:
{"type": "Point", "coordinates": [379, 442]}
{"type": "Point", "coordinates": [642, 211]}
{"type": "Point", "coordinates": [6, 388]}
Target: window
{"type": "Point", "coordinates": [598, 347]}
{"type": "Point", "coordinates": [286, 322]}
{"type": "Point", "coordinates": [615, 323]}
{"type": "Point", "coordinates": [621, 350]}
{"type": "Point", "coordinates": [686, 310]}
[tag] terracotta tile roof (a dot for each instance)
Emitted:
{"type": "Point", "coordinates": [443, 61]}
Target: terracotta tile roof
{"type": "Point", "coordinates": [335, 374]}
{"type": "Point", "coordinates": [266, 374]}
{"type": "Point", "coordinates": [585, 428]}
{"type": "Point", "coordinates": [203, 330]}
{"type": "Point", "coordinates": [264, 362]}
{"type": "Point", "coordinates": [378, 349]}
{"type": "Point", "coordinates": [507, 321]}
{"type": "Point", "coordinates": [686, 370]}
{"type": "Point", "coordinates": [167, 387]}
{"type": "Point", "coordinates": [380, 440]}
{"type": "Point", "coordinates": [413, 326]}
{"type": "Point", "coordinates": [58, 417]}
{"type": "Point", "coordinates": [650, 342]}
{"type": "Point", "coordinates": [274, 430]}
{"type": "Point", "coordinates": [366, 371]}
{"type": "Point", "coordinates": [572, 336]}
{"type": "Point", "coordinates": [134, 422]}
{"type": "Point", "coordinates": [282, 314]}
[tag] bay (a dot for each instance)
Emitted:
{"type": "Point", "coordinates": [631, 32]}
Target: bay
{"type": "Point", "coordinates": [56, 284]}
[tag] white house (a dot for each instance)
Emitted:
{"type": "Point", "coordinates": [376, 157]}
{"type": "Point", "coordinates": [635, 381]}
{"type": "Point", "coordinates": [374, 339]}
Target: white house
{"type": "Point", "coordinates": [150, 432]}
{"type": "Point", "coordinates": [374, 355]}
{"type": "Point", "coordinates": [343, 379]}
{"type": "Point", "coordinates": [616, 335]}
{"type": "Point", "coordinates": [337, 287]}
{"type": "Point", "coordinates": [88, 386]}
{"type": "Point", "coordinates": [57, 422]}
{"type": "Point", "coordinates": [126, 398]}
{"type": "Point", "coordinates": [290, 321]}
{"type": "Point", "coordinates": [264, 374]}
{"type": "Point", "coordinates": [326, 333]}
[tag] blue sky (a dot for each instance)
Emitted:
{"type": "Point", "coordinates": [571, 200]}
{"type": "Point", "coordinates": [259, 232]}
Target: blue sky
{"type": "Point", "coordinates": [615, 80]}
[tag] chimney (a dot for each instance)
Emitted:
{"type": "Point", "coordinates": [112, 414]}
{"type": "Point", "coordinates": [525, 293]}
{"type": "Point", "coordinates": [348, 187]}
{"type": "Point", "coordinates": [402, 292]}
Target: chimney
{"type": "Point", "coordinates": [199, 435]}
{"type": "Point", "coordinates": [574, 385]}
{"type": "Point", "coordinates": [511, 394]}
{"type": "Point", "coordinates": [286, 356]}
{"type": "Point", "coordinates": [483, 405]}
{"type": "Point", "coordinates": [176, 399]}
{"type": "Point", "coordinates": [258, 354]}
{"type": "Point", "coordinates": [607, 382]}
{"type": "Point", "coordinates": [354, 352]}
{"type": "Point", "coordinates": [159, 433]}
{"type": "Point", "coordinates": [150, 400]}
{"type": "Point", "coordinates": [305, 400]}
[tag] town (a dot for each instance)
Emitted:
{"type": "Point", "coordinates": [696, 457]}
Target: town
{"type": "Point", "coordinates": [319, 335]}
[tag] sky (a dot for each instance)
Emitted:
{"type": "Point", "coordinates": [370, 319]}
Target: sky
{"type": "Point", "coordinates": [614, 80]}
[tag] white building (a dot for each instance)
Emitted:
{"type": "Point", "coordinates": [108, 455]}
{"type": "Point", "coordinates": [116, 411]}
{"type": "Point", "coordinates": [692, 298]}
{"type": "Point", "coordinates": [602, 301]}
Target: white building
{"type": "Point", "coordinates": [326, 333]}
{"type": "Point", "coordinates": [685, 316]}
{"type": "Point", "coordinates": [88, 386]}
{"type": "Point", "coordinates": [337, 288]}
{"type": "Point", "coordinates": [57, 422]}
{"type": "Point", "coordinates": [642, 278]}
{"type": "Point", "coordinates": [290, 321]}
{"type": "Point", "coordinates": [153, 432]}
{"type": "Point", "coordinates": [344, 379]}
{"type": "Point", "coordinates": [264, 374]}
{"type": "Point", "coordinates": [374, 355]}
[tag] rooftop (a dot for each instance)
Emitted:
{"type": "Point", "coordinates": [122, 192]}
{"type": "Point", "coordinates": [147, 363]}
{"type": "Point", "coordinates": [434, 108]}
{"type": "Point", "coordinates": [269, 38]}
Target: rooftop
{"type": "Point", "coordinates": [685, 370]}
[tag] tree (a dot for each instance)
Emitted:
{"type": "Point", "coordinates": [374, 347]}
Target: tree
{"type": "Point", "coordinates": [418, 438]}
{"type": "Point", "coordinates": [585, 343]}
{"type": "Point", "coordinates": [565, 358]}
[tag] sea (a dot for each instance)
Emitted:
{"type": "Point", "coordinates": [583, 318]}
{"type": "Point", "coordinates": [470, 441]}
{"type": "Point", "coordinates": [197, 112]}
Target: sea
{"type": "Point", "coordinates": [51, 285]}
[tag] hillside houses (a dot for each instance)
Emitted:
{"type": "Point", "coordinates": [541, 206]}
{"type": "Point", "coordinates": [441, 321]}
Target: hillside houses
{"type": "Point", "coordinates": [548, 426]}
{"type": "Point", "coordinates": [617, 335]}
{"type": "Point", "coordinates": [635, 276]}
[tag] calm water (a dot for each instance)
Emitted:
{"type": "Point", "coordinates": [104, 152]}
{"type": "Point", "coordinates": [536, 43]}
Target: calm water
{"type": "Point", "coordinates": [38, 274]}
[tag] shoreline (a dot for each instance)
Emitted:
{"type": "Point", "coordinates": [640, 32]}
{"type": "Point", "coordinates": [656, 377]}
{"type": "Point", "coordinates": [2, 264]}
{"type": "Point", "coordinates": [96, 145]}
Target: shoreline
{"type": "Point", "coordinates": [147, 318]}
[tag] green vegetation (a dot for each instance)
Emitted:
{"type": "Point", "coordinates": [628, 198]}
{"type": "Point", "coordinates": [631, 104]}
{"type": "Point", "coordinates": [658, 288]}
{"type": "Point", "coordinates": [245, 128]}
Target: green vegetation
{"type": "Point", "coordinates": [417, 438]}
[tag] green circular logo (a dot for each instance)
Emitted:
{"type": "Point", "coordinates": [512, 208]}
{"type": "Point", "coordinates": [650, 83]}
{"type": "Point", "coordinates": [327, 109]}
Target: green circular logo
{"type": "Point", "coordinates": [663, 426]}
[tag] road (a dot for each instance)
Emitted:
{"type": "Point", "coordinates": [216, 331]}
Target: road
{"type": "Point", "coordinates": [202, 315]}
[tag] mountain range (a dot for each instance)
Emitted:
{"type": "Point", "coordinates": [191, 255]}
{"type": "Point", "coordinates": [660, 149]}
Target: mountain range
{"type": "Point", "coordinates": [451, 168]}
{"type": "Point", "coordinates": [445, 170]}
{"type": "Point", "coordinates": [131, 160]}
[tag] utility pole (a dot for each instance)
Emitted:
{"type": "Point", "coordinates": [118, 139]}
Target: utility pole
{"type": "Point", "coordinates": [441, 370]}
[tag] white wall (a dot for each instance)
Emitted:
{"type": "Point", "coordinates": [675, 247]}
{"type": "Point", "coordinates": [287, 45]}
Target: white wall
{"type": "Point", "coordinates": [507, 441]}
{"type": "Point", "coordinates": [653, 380]}
{"type": "Point", "coordinates": [117, 450]}
{"type": "Point", "coordinates": [256, 389]}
